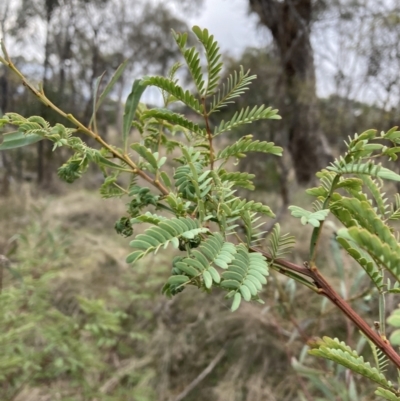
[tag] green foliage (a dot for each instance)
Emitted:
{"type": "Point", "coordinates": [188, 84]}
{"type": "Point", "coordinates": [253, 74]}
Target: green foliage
{"type": "Point", "coordinates": [387, 394]}
{"type": "Point", "coordinates": [369, 168]}
{"type": "Point", "coordinates": [394, 320]}
{"type": "Point", "coordinates": [280, 244]}
{"type": "Point", "coordinates": [166, 232]}
{"type": "Point", "coordinates": [362, 257]}
{"type": "Point", "coordinates": [131, 105]}
{"type": "Point", "coordinates": [212, 229]}
{"type": "Point", "coordinates": [214, 65]}
{"type": "Point", "coordinates": [312, 218]}
{"type": "Point", "coordinates": [42, 343]}
{"type": "Point", "coordinates": [175, 119]}
{"type": "Point", "coordinates": [381, 362]}
{"type": "Point", "coordinates": [246, 144]}
{"type": "Point", "coordinates": [246, 116]}
{"type": "Point", "coordinates": [245, 276]}
{"type": "Point", "coordinates": [236, 84]}
{"type": "Point", "coordinates": [342, 354]}
{"type": "Point", "coordinates": [175, 90]}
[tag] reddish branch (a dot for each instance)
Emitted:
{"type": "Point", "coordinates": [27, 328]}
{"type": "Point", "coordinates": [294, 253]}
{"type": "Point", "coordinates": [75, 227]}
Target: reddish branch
{"type": "Point", "coordinates": [325, 289]}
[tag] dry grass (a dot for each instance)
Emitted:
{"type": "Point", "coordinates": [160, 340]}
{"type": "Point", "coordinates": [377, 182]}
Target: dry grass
{"type": "Point", "coordinates": [184, 334]}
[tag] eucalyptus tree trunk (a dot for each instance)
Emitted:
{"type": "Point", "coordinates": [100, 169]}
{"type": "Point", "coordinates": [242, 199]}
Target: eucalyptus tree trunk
{"type": "Point", "coordinates": [289, 22]}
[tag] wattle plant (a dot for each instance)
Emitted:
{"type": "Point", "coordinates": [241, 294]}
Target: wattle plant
{"type": "Point", "coordinates": [196, 210]}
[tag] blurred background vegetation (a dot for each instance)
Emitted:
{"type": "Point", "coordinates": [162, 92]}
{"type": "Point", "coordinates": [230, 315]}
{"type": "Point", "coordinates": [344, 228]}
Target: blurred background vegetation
{"type": "Point", "coordinates": [77, 323]}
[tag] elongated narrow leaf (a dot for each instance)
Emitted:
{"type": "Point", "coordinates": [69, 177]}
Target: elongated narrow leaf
{"type": "Point", "coordinates": [95, 94]}
{"type": "Point", "coordinates": [103, 95]}
{"type": "Point", "coordinates": [118, 72]}
{"type": "Point", "coordinates": [131, 105]}
{"type": "Point", "coordinates": [18, 139]}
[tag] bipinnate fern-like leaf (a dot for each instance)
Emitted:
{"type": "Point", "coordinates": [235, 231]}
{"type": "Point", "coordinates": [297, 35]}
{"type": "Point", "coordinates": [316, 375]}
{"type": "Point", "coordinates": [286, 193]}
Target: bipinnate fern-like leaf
{"type": "Point", "coordinates": [247, 116]}
{"type": "Point", "coordinates": [192, 58]}
{"type": "Point", "coordinates": [375, 187]}
{"type": "Point", "coordinates": [395, 212]}
{"type": "Point", "coordinates": [366, 216]}
{"type": "Point", "coordinates": [173, 118]}
{"type": "Point", "coordinates": [245, 276]}
{"type": "Point", "coordinates": [312, 218]}
{"type": "Point", "coordinates": [338, 352]}
{"type": "Point", "coordinates": [350, 184]}
{"type": "Point", "coordinates": [369, 168]}
{"type": "Point", "coordinates": [245, 273]}
{"type": "Point", "coordinates": [191, 180]}
{"type": "Point", "coordinates": [383, 252]}
{"type": "Point", "coordinates": [237, 178]}
{"type": "Point", "coordinates": [251, 227]}
{"type": "Point", "coordinates": [326, 181]}
{"type": "Point", "coordinates": [381, 360]}
{"type": "Point", "coordinates": [238, 206]}
{"type": "Point", "coordinates": [387, 394]}
{"type": "Point", "coordinates": [109, 189]}
{"type": "Point", "coordinates": [166, 232]}
{"type": "Point", "coordinates": [236, 84]}
{"type": "Point", "coordinates": [32, 130]}
{"type": "Point", "coordinates": [148, 217]}
{"type": "Point", "coordinates": [213, 56]}
{"type": "Point", "coordinates": [280, 245]}
{"type": "Point", "coordinates": [362, 257]}
{"type": "Point", "coordinates": [246, 144]}
{"type": "Point", "coordinates": [175, 90]}
{"type": "Point", "coordinates": [26, 124]}
{"type": "Point", "coordinates": [212, 251]}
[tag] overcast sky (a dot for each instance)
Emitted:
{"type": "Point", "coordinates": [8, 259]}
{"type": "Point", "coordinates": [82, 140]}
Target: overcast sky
{"type": "Point", "coordinates": [229, 21]}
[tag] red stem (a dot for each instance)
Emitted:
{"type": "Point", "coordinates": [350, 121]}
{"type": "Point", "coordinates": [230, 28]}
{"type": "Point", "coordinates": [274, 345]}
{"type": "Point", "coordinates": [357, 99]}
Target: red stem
{"type": "Point", "coordinates": [326, 290]}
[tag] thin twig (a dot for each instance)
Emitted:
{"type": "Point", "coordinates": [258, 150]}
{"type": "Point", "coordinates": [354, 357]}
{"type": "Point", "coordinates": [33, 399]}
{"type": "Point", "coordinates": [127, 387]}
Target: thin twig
{"type": "Point", "coordinates": [201, 376]}
{"type": "Point", "coordinates": [80, 127]}
{"type": "Point", "coordinates": [111, 383]}
{"type": "Point", "coordinates": [209, 134]}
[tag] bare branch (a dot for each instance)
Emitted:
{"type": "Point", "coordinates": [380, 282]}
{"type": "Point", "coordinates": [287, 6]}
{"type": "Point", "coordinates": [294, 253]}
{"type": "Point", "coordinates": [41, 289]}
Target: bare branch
{"type": "Point", "coordinates": [201, 376]}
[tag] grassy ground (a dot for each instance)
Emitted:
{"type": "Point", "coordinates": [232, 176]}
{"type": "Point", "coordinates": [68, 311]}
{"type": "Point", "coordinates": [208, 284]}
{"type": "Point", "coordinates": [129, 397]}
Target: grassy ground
{"type": "Point", "coordinates": [131, 343]}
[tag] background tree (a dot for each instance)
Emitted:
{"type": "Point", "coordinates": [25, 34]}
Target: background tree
{"type": "Point", "coordinates": [76, 41]}
{"type": "Point", "coordinates": [290, 25]}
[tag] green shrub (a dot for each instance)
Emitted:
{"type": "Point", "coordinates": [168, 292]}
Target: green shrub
{"type": "Point", "coordinates": [218, 233]}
